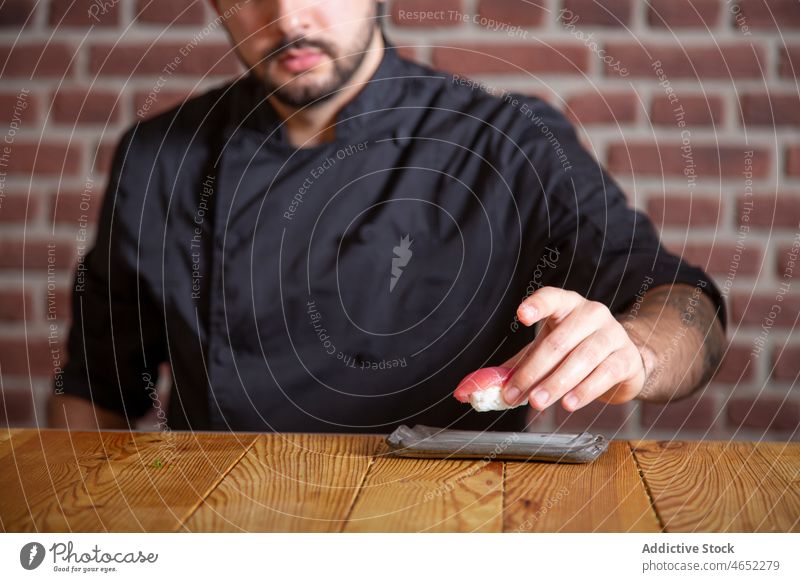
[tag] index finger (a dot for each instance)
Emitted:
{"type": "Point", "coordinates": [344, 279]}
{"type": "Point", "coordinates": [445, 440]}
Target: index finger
{"type": "Point", "coordinates": [548, 302]}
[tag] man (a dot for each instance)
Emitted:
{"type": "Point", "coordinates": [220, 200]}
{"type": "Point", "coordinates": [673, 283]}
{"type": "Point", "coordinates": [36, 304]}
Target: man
{"type": "Point", "coordinates": [333, 241]}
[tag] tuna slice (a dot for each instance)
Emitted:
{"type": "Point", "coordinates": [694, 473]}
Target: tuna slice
{"type": "Point", "coordinates": [483, 389]}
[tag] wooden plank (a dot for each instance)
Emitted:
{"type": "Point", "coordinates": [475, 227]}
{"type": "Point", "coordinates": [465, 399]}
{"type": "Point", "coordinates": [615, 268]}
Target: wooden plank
{"type": "Point", "coordinates": [11, 438]}
{"type": "Point", "coordinates": [5, 435]}
{"type": "Point", "coordinates": [289, 482]}
{"type": "Point", "coordinates": [783, 460]}
{"type": "Point", "coordinates": [605, 496]}
{"type": "Point", "coordinates": [114, 481]}
{"type": "Point", "coordinates": [723, 486]}
{"type": "Point", "coordinates": [415, 495]}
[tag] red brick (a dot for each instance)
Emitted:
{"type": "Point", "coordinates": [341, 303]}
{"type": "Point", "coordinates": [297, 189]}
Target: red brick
{"type": "Point", "coordinates": [84, 13]}
{"type": "Point", "coordinates": [757, 310]}
{"type": "Point", "coordinates": [70, 207]}
{"type": "Point", "coordinates": [37, 60]}
{"type": "Point", "coordinates": [786, 362]}
{"type": "Point", "coordinates": [737, 366]}
{"type": "Point", "coordinates": [684, 13]}
{"type": "Point", "coordinates": [778, 14]}
{"type": "Point", "coordinates": [22, 108]}
{"type": "Point", "coordinates": [770, 110]}
{"type": "Point", "coordinates": [597, 12]}
{"type": "Point", "coordinates": [469, 59]}
{"type": "Point", "coordinates": [20, 207]}
{"type": "Point", "coordinates": [157, 59]}
{"type": "Point", "coordinates": [768, 413]}
{"type": "Point", "coordinates": [62, 302]}
{"type": "Point", "coordinates": [790, 61]}
{"type": "Point", "coordinates": [172, 13]}
{"type": "Point", "coordinates": [21, 357]}
{"type": "Point", "coordinates": [512, 12]}
{"type": "Point", "coordinates": [540, 93]}
{"type": "Point", "coordinates": [691, 109]}
{"type": "Point", "coordinates": [149, 104]}
{"type": "Point", "coordinates": [710, 161]}
{"type": "Point", "coordinates": [103, 157]}
{"type": "Point", "coordinates": [15, 305]}
{"type": "Point", "coordinates": [427, 14]}
{"type": "Point", "coordinates": [17, 13]}
{"type": "Point", "coordinates": [684, 60]}
{"type": "Point", "coordinates": [607, 108]}
{"type": "Point", "coordinates": [686, 211]}
{"type": "Point", "coordinates": [719, 257]}
{"type": "Point", "coordinates": [771, 212]}
{"type": "Point", "coordinates": [593, 416]}
{"type": "Point", "coordinates": [789, 261]}
{"type": "Point", "coordinates": [76, 105]}
{"type": "Point", "coordinates": [694, 413]}
{"type": "Point", "coordinates": [793, 161]}
{"type": "Point", "coordinates": [35, 254]}
{"type": "Point", "coordinates": [16, 408]}
{"type": "Point", "coordinates": [51, 159]}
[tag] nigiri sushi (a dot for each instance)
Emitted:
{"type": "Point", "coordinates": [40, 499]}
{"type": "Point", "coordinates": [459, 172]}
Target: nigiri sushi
{"type": "Point", "coordinates": [484, 389]}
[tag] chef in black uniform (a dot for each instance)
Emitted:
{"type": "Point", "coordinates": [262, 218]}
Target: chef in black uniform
{"type": "Point", "coordinates": [332, 241]}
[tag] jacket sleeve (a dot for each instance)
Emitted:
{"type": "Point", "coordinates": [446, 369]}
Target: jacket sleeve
{"type": "Point", "coordinates": [607, 251]}
{"type": "Point", "coordinates": [116, 340]}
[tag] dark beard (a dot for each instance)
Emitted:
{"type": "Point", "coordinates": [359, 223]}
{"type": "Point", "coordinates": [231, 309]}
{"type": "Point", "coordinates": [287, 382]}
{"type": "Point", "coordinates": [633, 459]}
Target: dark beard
{"type": "Point", "coordinates": [344, 67]}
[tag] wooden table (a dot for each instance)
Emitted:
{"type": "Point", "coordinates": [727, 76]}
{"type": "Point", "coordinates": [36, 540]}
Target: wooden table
{"type": "Point", "coordinates": [119, 481]}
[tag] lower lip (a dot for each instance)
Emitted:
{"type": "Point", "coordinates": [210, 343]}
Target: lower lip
{"type": "Point", "coordinates": [301, 63]}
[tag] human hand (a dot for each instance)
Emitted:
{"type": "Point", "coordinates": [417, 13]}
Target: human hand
{"type": "Point", "coordinates": [582, 353]}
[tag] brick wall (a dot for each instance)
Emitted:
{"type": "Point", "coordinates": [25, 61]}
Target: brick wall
{"type": "Point", "coordinates": [76, 72]}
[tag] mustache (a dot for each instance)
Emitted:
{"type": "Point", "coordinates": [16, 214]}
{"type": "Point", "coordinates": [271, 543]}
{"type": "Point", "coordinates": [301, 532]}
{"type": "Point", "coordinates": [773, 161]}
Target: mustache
{"type": "Point", "coordinates": [287, 44]}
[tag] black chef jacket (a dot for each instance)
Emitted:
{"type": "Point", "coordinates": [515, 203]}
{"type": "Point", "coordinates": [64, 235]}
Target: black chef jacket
{"type": "Point", "coordinates": [348, 286]}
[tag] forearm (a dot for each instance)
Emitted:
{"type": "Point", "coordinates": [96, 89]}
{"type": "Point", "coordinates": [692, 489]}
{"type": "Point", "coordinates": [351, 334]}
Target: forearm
{"type": "Point", "coordinates": [67, 411]}
{"type": "Point", "coordinates": [680, 337]}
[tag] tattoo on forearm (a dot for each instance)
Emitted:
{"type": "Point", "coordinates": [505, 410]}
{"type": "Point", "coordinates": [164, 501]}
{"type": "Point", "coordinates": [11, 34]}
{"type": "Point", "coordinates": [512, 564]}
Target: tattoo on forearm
{"type": "Point", "coordinates": [682, 309]}
{"type": "Point", "coordinates": [713, 338]}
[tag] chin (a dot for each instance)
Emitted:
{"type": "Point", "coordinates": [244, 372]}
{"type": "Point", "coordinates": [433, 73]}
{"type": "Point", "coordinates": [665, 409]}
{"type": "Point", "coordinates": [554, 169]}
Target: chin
{"type": "Point", "coordinates": [301, 92]}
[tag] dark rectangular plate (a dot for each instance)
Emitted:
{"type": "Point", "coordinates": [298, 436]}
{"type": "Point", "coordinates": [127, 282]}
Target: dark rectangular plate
{"type": "Point", "coordinates": [438, 443]}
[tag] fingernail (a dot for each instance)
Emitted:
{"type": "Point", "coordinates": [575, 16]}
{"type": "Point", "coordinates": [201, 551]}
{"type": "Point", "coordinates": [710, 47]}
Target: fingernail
{"type": "Point", "coordinates": [512, 395]}
{"type": "Point", "coordinates": [529, 312]}
{"type": "Point", "coordinates": [571, 401]}
{"type": "Point", "coordinates": [541, 397]}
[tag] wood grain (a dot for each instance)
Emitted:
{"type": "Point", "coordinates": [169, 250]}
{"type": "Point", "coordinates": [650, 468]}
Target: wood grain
{"type": "Point", "coordinates": [6, 434]}
{"type": "Point", "coordinates": [289, 482]}
{"type": "Point", "coordinates": [11, 438]}
{"type": "Point", "coordinates": [113, 481]}
{"type": "Point", "coordinates": [723, 486]}
{"type": "Point", "coordinates": [415, 495]}
{"type": "Point", "coordinates": [120, 481]}
{"type": "Point", "coordinates": [606, 495]}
